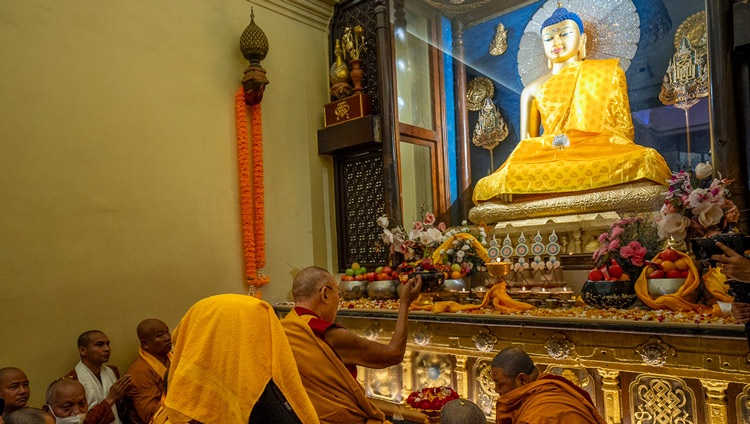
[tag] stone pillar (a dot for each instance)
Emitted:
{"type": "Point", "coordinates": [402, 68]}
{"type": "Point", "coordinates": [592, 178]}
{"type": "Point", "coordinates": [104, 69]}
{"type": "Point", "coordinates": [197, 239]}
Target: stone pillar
{"type": "Point", "coordinates": [463, 151]}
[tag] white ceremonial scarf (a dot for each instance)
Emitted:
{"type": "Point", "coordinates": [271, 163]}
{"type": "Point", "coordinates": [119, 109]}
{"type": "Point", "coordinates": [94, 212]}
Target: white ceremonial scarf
{"type": "Point", "coordinates": [96, 391]}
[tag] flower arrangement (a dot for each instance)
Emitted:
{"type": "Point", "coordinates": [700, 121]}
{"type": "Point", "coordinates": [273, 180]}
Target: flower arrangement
{"type": "Point", "coordinates": [431, 398]}
{"type": "Point", "coordinates": [462, 256]}
{"type": "Point", "coordinates": [421, 240]}
{"type": "Point", "coordinates": [624, 248]}
{"type": "Point", "coordinates": [696, 205]}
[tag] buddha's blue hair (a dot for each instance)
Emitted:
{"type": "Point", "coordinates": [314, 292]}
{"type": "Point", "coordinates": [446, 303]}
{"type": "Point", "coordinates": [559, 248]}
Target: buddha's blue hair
{"type": "Point", "coordinates": [562, 14]}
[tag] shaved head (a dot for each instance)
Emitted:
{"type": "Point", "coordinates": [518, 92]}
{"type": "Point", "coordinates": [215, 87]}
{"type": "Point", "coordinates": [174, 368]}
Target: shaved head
{"type": "Point", "coordinates": [513, 361]}
{"type": "Point", "coordinates": [462, 411]}
{"type": "Point", "coordinates": [147, 326]}
{"type": "Point", "coordinates": [85, 338]}
{"type": "Point", "coordinates": [8, 371]}
{"type": "Point", "coordinates": [62, 385]}
{"type": "Point", "coordinates": [308, 281]}
{"type": "Point", "coordinates": [29, 416]}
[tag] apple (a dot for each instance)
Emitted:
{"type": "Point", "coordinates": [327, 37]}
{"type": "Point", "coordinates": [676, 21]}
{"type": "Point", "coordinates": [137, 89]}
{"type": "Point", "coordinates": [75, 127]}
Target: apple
{"type": "Point", "coordinates": [615, 271]}
{"type": "Point", "coordinates": [347, 278]}
{"type": "Point", "coordinates": [394, 275]}
{"type": "Point", "coordinates": [674, 273]}
{"type": "Point", "coordinates": [657, 274]}
{"type": "Point", "coordinates": [669, 255]}
{"type": "Point", "coordinates": [355, 266]}
{"type": "Point", "coordinates": [387, 269]}
{"type": "Point", "coordinates": [370, 276]}
{"type": "Point", "coordinates": [595, 275]}
{"type": "Point", "coordinates": [349, 272]}
{"type": "Point", "coordinates": [378, 270]}
{"type": "Point", "coordinates": [684, 273]}
{"type": "Point", "coordinates": [359, 277]}
{"type": "Point", "coordinates": [382, 276]}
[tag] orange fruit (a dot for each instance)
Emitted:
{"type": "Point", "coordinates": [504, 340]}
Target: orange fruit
{"type": "Point", "coordinates": [624, 277]}
{"type": "Point", "coordinates": [681, 264]}
{"type": "Point", "coordinates": [667, 266]}
{"type": "Point", "coordinates": [657, 261]}
{"type": "Point", "coordinates": [455, 275]}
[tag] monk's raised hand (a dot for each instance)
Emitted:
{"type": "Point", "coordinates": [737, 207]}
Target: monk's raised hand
{"type": "Point", "coordinates": [410, 290]}
{"type": "Point", "coordinates": [735, 266]}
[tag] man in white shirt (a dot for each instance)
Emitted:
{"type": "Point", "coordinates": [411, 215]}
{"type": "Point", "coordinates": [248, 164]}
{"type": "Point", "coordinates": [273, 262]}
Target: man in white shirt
{"type": "Point", "coordinates": [102, 383]}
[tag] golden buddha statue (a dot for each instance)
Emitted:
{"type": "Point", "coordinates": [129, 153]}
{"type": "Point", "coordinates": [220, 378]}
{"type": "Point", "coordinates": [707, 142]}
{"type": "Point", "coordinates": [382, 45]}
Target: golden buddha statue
{"type": "Point", "coordinates": [587, 143]}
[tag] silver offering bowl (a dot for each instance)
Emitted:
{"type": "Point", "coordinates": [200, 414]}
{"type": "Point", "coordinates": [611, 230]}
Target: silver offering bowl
{"type": "Point", "coordinates": [383, 290]}
{"type": "Point", "coordinates": [351, 290]}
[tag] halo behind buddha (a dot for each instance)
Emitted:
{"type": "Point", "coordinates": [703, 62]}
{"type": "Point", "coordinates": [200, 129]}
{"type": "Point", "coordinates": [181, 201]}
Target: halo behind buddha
{"type": "Point", "coordinates": [612, 30]}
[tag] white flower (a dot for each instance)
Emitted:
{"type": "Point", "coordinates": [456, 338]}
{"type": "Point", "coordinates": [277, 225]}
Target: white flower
{"type": "Point", "coordinates": [697, 197]}
{"type": "Point", "coordinates": [703, 170]}
{"type": "Point", "coordinates": [383, 221]}
{"type": "Point", "coordinates": [465, 247]}
{"type": "Point", "coordinates": [455, 243]}
{"type": "Point", "coordinates": [450, 251]}
{"type": "Point", "coordinates": [464, 222]}
{"type": "Point", "coordinates": [673, 224]}
{"type": "Point", "coordinates": [431, 236]}
{"type": "Point", "coordinates": [460, 254]}
{"type": "Point", "coordinates": [708, 214]}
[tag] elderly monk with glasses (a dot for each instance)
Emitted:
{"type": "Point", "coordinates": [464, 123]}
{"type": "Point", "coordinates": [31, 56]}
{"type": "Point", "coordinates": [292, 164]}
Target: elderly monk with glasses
{"type": "Point", "coordinates": [327, 354]}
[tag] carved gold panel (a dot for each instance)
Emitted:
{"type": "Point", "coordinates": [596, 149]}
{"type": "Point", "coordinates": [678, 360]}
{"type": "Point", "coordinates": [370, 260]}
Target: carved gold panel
{"type": "Point", "coordinates": [742, 404]}
{"type": "Point", "coordinates": [484, 387]}
{"type": "Point", "coordinates": [658, 399]}
{"type": "Point", "coordinates": [431, 370]}
{"type": "Point", "coordinates": [385, 383]}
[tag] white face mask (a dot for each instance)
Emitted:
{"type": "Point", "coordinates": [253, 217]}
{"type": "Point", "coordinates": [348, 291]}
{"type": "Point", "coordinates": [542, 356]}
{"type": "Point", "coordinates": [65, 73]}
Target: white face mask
{"type": "Point", "coordinates": [73, 419]}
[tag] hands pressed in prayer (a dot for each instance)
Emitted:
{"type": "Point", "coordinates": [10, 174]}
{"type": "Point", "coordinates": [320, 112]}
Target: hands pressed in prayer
{"type": "Point", "coordinates": [118, 389]}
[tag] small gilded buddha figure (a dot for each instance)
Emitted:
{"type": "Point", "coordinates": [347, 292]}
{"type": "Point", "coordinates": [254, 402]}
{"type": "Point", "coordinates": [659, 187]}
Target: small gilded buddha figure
{"type": "Point", "coordinates": [587, 143]}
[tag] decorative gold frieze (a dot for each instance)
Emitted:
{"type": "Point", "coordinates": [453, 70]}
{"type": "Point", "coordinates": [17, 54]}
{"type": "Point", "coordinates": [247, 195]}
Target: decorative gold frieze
{"type": "Point", "coordinates": [611, 393]}
{"type": "Point", "coordinates": [742, 404]}
{"type": "Point", "coordinates": [484, 387]}
{"type": "Point", "coordinates": [484, 340]}
{"type": "Point", "coordinates": [384, 383]}
{"type": "Point", "coordinates": [559, 347]}
{"type": "Point", "coordinates": [462, 376]}
{"type": "Point", "coordinates": [661, 399]}
{"type": "Point", "coordinates": [432, 370]}
{"type": "Point", "coordinates": [422, 336]}
{"type": "Point", "coordinates": [655, 352]}
{"type": "Point", "coordinates": [372, 332]}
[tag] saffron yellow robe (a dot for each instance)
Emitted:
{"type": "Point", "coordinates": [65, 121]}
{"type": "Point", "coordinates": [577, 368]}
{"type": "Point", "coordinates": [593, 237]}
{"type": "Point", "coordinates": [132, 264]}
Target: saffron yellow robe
{"type": "Point", "coordinates": [588, 102]}
{"type": "Point", "coordinates": [546, 401]}
{"type": "Point", "coordinates": [337, 397]}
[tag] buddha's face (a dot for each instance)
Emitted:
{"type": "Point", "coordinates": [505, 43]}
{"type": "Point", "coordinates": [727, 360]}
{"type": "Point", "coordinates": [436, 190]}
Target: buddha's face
{"type": "Point", "coordinates": [562, 41]}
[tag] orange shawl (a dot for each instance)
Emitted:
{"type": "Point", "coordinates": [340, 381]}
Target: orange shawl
{"type": "Point", "coordinates": [546, 401]}
{"type": "Point", "coordinates": [337, 397]}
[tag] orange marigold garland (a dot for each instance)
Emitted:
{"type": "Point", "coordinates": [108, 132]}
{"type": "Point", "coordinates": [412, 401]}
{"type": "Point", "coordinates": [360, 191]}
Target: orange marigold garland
{"type": "Point", "coordinates": [251, 193]}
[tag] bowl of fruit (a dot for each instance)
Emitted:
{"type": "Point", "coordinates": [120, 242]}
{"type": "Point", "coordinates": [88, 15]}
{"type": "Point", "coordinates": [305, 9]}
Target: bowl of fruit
{"type": "Point", "coordinates": [433, 275]}
{"type": "Point", "coordinates": [609, 287]}
{"type": "Point", "coordinates": [383, 284]}
{"type": "Point", "coordinates": [667, 272]}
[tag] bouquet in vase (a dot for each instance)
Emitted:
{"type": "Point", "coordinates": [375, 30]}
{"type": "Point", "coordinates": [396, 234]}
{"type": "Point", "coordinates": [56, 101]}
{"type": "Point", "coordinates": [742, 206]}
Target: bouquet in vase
{"type": "Point", "coordinates": [696, 205]}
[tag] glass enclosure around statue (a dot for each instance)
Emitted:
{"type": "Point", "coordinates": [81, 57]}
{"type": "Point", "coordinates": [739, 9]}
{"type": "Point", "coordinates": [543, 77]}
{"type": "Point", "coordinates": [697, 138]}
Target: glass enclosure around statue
{"type": "Point", "coordinates": [661, 46]}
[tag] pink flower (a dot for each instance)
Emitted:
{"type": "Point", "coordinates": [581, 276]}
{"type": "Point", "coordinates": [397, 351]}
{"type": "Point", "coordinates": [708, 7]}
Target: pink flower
{"type": "Point", "coordinates": [429, 219]}
{"type": "Point", "coordinates": [613, 245]}
{"type": "Point", "coordinates": [617, 232]}
{"type": "Point", "coordinates": [417, 226]}
{"type": "Point", "coordinates": [603, 238]}
{"type": "Point", "coordinates": [441, 227]}
{"type": "Point", "coordinates": [635, 252]}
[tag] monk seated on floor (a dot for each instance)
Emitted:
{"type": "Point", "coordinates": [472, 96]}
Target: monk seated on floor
{"type": "Point", "coordinates": [102, 383]}
{"type": "Point", "coordinates": [327, 354]}
{"type": "Point", "coordinates": [148, 370]}
{"type": "Point", "coordinates": [530, 398]}
{"type": "Point", "coordinates": [66, 401]}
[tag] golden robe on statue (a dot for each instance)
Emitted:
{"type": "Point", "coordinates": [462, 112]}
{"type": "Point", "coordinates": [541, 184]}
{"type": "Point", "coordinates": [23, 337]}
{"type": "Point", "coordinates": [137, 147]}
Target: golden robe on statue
{"type": "Point", "coordinates": [587, 102]}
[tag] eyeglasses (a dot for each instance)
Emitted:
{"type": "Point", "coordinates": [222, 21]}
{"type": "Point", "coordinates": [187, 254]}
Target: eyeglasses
{"type": "Point", "coordinates": [331, 288]}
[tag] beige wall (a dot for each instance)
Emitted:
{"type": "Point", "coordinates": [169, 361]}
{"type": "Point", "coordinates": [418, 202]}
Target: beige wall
{"type": "Point", "coordinates": [118, 169]}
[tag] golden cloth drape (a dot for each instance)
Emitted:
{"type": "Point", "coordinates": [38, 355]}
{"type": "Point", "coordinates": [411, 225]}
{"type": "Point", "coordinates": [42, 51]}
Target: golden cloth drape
{"type": "Point", "coordinates": [588, 103]}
